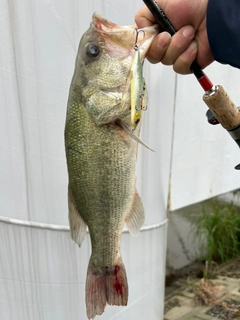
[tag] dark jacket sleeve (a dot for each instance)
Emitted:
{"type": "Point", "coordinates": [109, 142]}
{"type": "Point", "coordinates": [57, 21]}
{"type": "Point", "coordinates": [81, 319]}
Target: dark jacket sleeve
{"type": "Point", "coordinates": [223, 28]}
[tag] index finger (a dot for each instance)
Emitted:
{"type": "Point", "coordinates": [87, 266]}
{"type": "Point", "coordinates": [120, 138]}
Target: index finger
{"type": "Point", "coordinates": [144, 18]}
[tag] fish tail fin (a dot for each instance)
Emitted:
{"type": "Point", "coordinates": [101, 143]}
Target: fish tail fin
{"type": "Point", "coordinates": [116, 285]}
{"type": "Point", "coordinates": [108, 286]}
{"type": "Point", "coordinates": [96, 298]}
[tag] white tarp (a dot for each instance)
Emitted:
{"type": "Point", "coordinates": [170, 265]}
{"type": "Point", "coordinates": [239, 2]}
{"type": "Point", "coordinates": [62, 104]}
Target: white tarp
{"type": "Point", "coordinates": [42, 272]}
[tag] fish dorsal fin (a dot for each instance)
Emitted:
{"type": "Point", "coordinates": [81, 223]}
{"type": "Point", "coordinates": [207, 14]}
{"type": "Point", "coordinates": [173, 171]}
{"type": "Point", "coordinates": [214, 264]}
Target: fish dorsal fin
{"type": "Point", "coordinates": [78, 227]}
{"type": "Point", "coordinates": [136, 216]}
{"type": "Point", "coordinates": [132, 135]}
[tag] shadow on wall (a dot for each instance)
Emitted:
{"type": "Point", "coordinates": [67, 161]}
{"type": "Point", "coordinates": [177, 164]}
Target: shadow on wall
{"type": "Point", "coordinates": [182, 244]}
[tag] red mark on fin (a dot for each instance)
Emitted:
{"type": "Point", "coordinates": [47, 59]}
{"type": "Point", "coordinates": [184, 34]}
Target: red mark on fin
{"type": "Point", "coordinates": [117, 283]}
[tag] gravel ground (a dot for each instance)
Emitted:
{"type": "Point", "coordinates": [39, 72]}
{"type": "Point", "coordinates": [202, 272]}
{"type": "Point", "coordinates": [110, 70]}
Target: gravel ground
{"type": "Point", "coordinates": [226, 310]}
{"type": "Point", "coordinates": [232, 270]}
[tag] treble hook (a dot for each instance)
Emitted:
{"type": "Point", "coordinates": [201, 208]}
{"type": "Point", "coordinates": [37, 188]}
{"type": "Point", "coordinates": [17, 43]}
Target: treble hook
{"type": "Point", "coordinates": [136, 40]}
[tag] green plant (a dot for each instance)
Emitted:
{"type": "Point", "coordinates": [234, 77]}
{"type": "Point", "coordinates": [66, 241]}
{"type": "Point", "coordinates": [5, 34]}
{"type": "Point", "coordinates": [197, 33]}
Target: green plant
{"type": "Point", "coordinates": [218, 230]}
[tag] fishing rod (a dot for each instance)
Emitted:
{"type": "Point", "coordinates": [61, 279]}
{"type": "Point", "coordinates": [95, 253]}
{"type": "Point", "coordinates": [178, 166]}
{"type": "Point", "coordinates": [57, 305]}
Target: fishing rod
{"type": "Point", "coordinates": [221, 108]}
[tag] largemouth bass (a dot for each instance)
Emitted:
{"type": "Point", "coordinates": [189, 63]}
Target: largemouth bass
{"type": "Point", "coordinates": [101, 148]}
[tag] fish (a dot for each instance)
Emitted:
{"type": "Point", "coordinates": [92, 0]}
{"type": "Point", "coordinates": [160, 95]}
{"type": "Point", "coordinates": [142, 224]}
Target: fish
{"type": "Point", "coordinates": [101, 151]}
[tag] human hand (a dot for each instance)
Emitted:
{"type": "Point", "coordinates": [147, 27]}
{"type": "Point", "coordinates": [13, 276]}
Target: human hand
{"type": "Point", "coordinates": [190, 42]}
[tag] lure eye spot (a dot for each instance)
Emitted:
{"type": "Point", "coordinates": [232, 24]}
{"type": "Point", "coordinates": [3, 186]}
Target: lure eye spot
{"type": "Point", "coordinates": [93, 51]}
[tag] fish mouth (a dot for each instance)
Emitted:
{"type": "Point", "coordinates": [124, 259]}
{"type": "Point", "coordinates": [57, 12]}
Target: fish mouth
{"type": "Point", "coordinates": [125, 36]}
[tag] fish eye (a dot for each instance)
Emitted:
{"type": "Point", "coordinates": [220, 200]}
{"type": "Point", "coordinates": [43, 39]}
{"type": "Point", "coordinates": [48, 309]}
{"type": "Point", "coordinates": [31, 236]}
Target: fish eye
{"type": "Point", "coordinates": [93, 50]}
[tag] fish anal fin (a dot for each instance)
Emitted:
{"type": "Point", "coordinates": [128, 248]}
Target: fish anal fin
{"type": "Point", "coordinates": [78, 227]}
{"type": "Point", "coordinates": [136, 216]}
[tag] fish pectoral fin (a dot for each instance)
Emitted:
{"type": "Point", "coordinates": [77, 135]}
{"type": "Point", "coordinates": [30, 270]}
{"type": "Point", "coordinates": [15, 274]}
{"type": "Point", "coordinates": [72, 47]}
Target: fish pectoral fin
{"type": "Point", "coordinates": [78, 227]}
{"type": "Point", "coordinates": [117, 96]}
{"type": "Point", "coordinates": [132, 135]}
{"type": "Point", "coordinates": [135, 219]}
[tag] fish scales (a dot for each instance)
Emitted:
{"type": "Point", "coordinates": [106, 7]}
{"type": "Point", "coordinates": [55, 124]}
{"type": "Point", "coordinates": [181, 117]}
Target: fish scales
{"type": "Point", "coordinates": [100, 165]}
{"type": "Point", "coordinates": [101, 156]}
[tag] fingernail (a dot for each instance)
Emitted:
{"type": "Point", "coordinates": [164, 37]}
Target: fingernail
{"type": "Point", "coordinates": [163, 39]}
{"type": "Point", "coordinates": [189, 32]}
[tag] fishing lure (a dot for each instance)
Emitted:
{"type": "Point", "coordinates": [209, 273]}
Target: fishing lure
{"type": "Point", "coordinates": [138, 87]}
{"type": "Point", "coordinates": [138, 94]}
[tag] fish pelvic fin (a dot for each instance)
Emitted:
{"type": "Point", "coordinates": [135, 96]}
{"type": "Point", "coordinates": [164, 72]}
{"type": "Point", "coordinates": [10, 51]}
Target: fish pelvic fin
{"type": "Point", "coordinates": [136, 216]}
{"type": "Point", "coordinates": [78, 227]}
{"type": "Point", "coordinates": [105, 287]}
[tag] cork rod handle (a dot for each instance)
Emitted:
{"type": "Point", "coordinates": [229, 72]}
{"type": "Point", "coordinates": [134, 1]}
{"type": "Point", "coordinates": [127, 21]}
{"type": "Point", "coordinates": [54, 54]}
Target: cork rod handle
{"type": "Point", "coordinates": [222, 107]}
